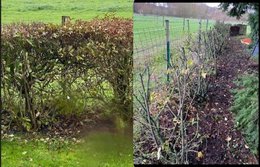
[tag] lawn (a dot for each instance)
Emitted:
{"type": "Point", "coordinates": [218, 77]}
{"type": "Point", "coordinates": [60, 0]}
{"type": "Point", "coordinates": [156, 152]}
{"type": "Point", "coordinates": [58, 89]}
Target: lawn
{"type": "Point", "coordinates": [50, 11]}
{"type": "Point", "coordinates": [148, 28]}
{"type": "Point", "coordinates": [97, 149]}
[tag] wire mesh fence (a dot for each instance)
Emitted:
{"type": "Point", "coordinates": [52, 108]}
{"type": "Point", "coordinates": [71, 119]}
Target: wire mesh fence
{"type": "Point", "coordinates": [150, 44]}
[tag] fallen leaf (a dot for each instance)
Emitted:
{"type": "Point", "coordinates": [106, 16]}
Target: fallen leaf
{"type": "Point", "coordinates": [190, 62]}
{"type": "Point", "coordinates": [203, 74]}
{"type": "Point", "coordinates": [200, 154]}
{"type": "Point", "coordinates": [152, 96]}
{"type": "Point", "coordinates": [228, 139]}
{"type": "Point", "coordinates": [37, 114]}
{"type": "Point", "coordinates": [159, 153]}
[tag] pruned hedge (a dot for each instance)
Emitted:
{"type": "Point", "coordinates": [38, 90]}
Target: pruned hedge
{"type": "Point", "coordinates": [41, 61]}
{"type": "Point", "coordinates": [165, 116]}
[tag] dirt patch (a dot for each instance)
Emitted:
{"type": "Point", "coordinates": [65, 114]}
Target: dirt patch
{"type": "Point", "coordinates": [78, 126]}
{"type": "Point", "coordinates": [224, 143]}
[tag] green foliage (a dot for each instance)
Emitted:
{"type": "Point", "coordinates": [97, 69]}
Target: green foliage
{"type": "Point", "coordinates": [43, 64]}
{"type": "Point", "coordinates": [245, 108]}
{"type": "Point", "coordinates": [238, 9]}
{"type": "Point", "coordinates": [253, 21]}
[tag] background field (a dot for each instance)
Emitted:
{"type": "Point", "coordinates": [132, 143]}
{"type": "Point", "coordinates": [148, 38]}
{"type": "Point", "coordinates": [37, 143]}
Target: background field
{"type": "Point", "coordinates": [51, 11]}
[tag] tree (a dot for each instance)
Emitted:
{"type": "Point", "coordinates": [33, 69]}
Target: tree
{"type": "Point", "coordinates": [239, 9]}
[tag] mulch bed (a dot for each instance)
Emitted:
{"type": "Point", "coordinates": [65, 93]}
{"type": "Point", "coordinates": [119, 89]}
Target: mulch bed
{"type": "Point", "coordinates": [216, 120]}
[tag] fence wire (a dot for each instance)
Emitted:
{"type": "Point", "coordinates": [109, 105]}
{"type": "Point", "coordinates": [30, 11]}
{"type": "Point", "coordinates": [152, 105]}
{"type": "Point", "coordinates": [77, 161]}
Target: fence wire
{"type": "Point", "coordinates": [150, 44]}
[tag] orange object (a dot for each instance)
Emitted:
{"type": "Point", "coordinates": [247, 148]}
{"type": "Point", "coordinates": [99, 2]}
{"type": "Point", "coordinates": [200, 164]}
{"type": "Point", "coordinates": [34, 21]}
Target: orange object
{"type": "Point", "coordinates": [246, 41]}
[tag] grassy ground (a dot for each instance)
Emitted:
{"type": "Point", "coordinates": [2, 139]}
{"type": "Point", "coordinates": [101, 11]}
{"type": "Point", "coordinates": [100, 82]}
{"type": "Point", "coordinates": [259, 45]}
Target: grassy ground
{"type": "Point", "coordinates": [51, 10]}
{"type": "Point", "coordinates": [97, 149]}
{"type": "Point", "coordinates": [144, 24]}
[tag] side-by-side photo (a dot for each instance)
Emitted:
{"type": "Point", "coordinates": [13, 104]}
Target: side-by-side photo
{"type": "Point", "coordinates": [195, 83]}
{"type": "Point", "coordinates": [122, 83]}
{"type": "Point", "coordinates": [66, 89]}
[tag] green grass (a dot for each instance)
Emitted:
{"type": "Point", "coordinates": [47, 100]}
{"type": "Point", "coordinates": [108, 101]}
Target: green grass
{"type": "Point", "coordinates": [144, 24]}
{"type": "Point", "coordinates": [98, 149]}
{"type": "Point", "coordinates": [50, 11]}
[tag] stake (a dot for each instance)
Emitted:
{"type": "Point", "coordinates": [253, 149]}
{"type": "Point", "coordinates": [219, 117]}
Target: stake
{"type": "Point", "coordinates": [183, 28]}
{"type": "Point", "coordinates": [167, 48]}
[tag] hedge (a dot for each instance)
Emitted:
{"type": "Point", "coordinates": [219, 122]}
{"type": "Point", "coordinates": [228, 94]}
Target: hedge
{"type": "Point", "coordinates": [36, 56]}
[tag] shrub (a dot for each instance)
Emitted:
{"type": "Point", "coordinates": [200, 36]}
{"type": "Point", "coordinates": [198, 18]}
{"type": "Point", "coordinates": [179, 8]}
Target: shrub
{"type": "Point", "coordinates": [245, 109]}
{"type": "Point", "coordinates": [44, 61]}
{"type": "Point", "coordinates": [164, 116]}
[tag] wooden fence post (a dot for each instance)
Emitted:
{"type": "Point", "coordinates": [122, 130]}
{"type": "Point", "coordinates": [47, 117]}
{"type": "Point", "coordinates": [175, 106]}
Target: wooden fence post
{"type": "Point", "coordinates": [65, 20]}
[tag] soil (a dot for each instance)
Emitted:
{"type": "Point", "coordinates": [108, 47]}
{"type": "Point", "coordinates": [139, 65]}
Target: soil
{"type": "Point", "coordinates": [80, 126]}
{"type": "Point", "coordinates": [216, 120]}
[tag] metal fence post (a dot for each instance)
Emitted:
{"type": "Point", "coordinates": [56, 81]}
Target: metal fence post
{"type": "Point", "coordinates": [188, 24]}
{"type": "Point", "coordinates": [163, 20]}
{"type": "Point", "coordinates": [207, 24]}
{"type": "Point", "coordinates": [167, 48]}
{"type": "Point", "coordinates": [183, 28]}
{"type": "Point", "coordinates": [199, 34]}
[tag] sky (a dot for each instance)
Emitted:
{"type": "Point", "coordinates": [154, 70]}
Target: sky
{"type": "Point", "coordinates": [212, 4]}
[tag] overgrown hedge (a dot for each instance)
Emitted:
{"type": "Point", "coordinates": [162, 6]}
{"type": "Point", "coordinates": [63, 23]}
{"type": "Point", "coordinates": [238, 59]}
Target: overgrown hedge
{"type": "Point", "coordinates": [44, 61]}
